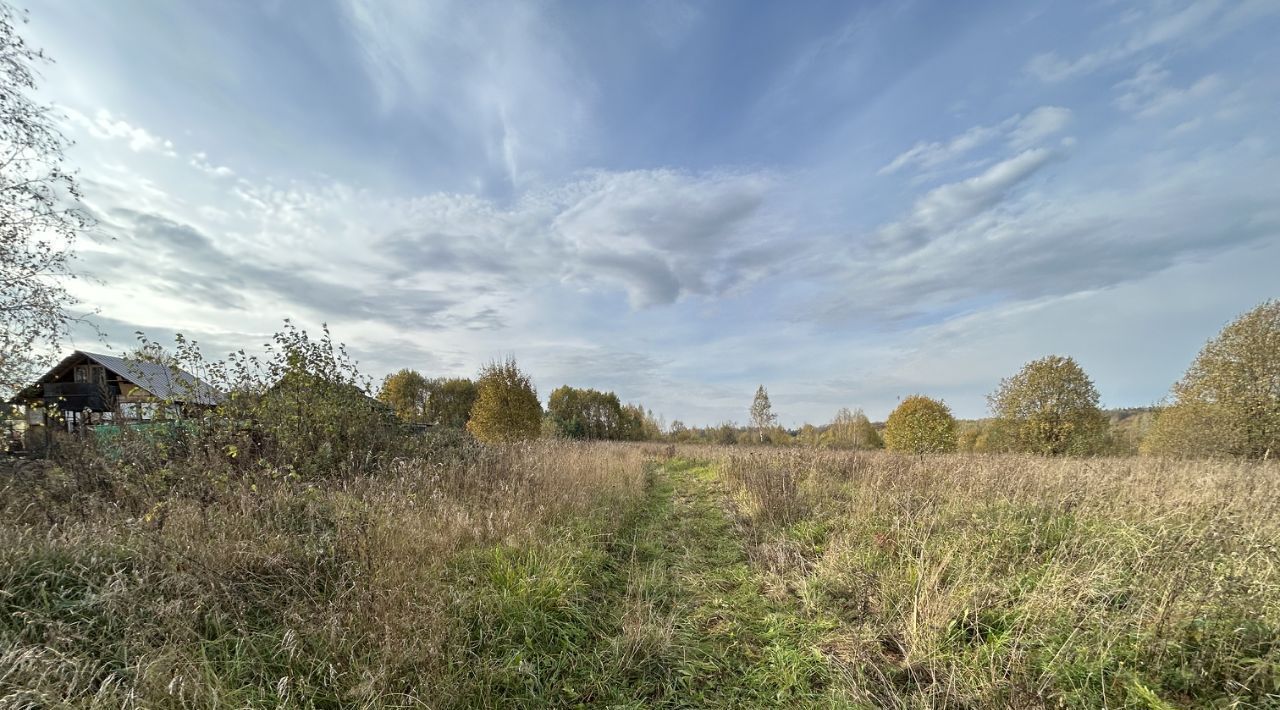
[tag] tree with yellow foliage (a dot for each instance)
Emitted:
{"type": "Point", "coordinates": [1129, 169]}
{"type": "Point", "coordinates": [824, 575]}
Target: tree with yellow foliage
{"type": "Point", "coordinates": [507, 407]}
{"type": "Point", "coordinates": [406, 392]}
{"type": "Point", "coordinates": [1051, 408]}
{"type": "Point", "coordinates": [1228, 402]}
{"type": "Point", "coordinates": [920, 425]}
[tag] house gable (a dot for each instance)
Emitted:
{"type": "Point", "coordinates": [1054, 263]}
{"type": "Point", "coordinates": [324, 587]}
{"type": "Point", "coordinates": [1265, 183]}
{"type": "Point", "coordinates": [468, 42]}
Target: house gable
{"type": "Point", "coordinates": [85, 380]}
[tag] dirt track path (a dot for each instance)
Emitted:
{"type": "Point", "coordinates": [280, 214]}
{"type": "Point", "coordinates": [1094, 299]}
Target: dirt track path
{"type": "Point", "coordinates": [695, 617]}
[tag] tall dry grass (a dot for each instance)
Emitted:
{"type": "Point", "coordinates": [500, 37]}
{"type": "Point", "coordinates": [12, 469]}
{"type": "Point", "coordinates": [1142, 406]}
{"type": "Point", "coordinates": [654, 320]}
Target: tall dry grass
{"type": "Point", "coordinates": [496, 576]}
{"type": "Point", "coordinates": [1015, 581]}
{"type": "Point", "coordinates": [268, 592]}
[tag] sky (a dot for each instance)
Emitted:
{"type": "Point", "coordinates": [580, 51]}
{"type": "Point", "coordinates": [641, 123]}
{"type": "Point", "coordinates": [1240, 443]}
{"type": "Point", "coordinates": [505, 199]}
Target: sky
{"type": "Point", "coordinates": [847, 202]}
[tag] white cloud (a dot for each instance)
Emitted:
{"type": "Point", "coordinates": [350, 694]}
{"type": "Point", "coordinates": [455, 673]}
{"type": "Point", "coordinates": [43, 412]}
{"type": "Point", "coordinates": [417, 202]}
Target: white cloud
{"type": "Point", "coordinates": [660, 234]}
{"type": "Point", "coordinates": [200, 161]}
{"type": "Point", "coordinates": [944, 207]}
{"type": "Point", "coordinates": [1021, 132]}
{"type": "Point", "coordinates": [1148, 92]}
{"type": "Point", "coordinates": [664, 233]}
{"type": "Point", "coordinates": [104, 126]}
{"type": "Point", "coordinates": [1039, 124]}
{"type": "Point", "coordinates": [926, 156]}
{"type": "Point", "coordinates": [436, 260]}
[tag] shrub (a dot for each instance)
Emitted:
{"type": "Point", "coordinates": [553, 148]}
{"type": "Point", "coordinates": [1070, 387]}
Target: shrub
{"type": "Point", "coordinates": [314, 416]}
{"type": "Point", "coordinates": [920, 425]}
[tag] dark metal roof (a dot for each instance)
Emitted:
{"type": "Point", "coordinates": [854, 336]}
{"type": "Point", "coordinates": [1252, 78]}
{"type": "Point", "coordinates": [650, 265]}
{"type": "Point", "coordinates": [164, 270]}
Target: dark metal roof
{"type": "Point", "coordinates": [162, 381]}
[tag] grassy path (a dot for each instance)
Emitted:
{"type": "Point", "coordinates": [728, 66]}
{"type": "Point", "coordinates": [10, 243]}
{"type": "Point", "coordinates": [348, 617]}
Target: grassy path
{"type": "Point", "coordinates": [669, 616]}
{"type": "Point", "coordinates": [729, 645]}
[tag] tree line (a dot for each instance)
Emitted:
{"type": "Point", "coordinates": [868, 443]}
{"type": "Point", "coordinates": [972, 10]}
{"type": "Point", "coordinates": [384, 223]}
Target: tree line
{"type": "Point", "coordinates": [502, 405]}
{"type": "Point", "coordinates": [1227, 404]}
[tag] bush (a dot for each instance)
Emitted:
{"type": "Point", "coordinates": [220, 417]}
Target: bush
{"type": "Point", "coordinates": [309, 411]}
{"type": "Point", "coordinates": [920, 425]}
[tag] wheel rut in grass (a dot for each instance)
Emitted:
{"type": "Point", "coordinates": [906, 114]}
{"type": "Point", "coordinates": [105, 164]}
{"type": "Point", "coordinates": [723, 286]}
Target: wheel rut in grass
{"type": "Point", "coordinates": [667, 613]}
{"type": "Point", "coordinates": [695, 629]}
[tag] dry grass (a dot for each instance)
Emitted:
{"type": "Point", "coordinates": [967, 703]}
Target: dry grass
{"type": "Point", "coordinates": [338, 594]}
{"type": "Point", "coordinates": [1007, 581]}
{"type": "Point", "coordinates": [558, 574]}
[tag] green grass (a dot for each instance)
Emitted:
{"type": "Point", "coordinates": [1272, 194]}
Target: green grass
{"type": "Point", "coordinates": [577, 576]}
{"type": "Point", "coordinates": [990, 588]}
{"type": "Point", "coordinates": [666, 614]}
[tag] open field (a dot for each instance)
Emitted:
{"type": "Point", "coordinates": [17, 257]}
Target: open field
{"type": "Point", "coordinates": [1023, 582]}
{"type": "Point", "coordinates": [639, 355]}
{"type": "Point", "coordinates": [559, 574]}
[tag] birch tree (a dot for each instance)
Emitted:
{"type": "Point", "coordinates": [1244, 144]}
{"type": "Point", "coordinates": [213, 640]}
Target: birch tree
{"type": "Point", "coordinates": [40, 214]}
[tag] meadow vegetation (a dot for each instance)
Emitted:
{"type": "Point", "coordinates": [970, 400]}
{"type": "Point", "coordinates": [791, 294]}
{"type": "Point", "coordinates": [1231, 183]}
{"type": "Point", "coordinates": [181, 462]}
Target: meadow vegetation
{"type": "Point", "coordinates": [557, 573]}
{"type": "Point", "coordinates": [1023, 581]}
{"type": "Point", "coordinates": [437, 581]}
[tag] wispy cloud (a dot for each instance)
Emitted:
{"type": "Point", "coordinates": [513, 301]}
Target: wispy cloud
{"type": "Point", "coordinates": [1041, 123]}
{"type": "Point", "coordinates": [945, 207]}
{"type": "Point", "coordinates": [926, 156]}
{"type": "Point", "coordinates": [1168, 27]}
{"type": "Point", "coordinates": [104, 126]}
{"type": "Point", "coordinates": [966, 241]}
{"type": "Point", "coordinates": [1148, 92]}
{"type": "Point", "coordinates": [1019, 131]}
{"type": "Point", "coordinates": [495, 75]}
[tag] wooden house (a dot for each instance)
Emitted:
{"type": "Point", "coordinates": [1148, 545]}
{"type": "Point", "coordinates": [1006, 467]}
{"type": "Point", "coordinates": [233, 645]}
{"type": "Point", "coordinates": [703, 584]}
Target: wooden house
{"type": "Point", "coordinates": [89, 388]}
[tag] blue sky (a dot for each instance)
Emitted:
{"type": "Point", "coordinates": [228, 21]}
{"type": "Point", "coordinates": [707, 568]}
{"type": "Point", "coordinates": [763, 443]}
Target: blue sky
{"type": "Point", "coordinates": [847, 202]}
